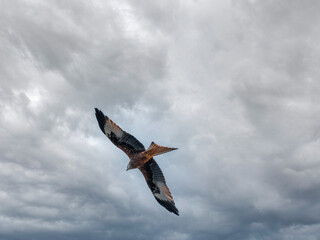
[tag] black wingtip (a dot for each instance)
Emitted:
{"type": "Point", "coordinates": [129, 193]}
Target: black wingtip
{"type": "Point", "coordinates": [169, 206]}
{"type": "Point", "coordinates": [101, 119]}
{"type": "Point", "coordinates": [176, 212]}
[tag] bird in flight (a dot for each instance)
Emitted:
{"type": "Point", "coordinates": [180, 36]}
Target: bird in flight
{"type": "Point", "coordinates": [140, 158]}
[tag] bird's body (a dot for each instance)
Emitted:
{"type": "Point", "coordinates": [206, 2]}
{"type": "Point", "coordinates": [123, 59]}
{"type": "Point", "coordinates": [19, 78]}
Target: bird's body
{"type": "Point", "coordinates": [137, 160]}
{"type": "Point", "coordinates": [140, 158]}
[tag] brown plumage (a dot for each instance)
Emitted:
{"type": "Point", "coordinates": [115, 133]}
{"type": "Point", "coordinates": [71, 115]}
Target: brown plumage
{"type": "Point", "coordinates": [140, 158]}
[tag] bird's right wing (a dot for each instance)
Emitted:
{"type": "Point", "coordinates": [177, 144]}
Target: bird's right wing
{"type": "Point", "coordinates": [123, 140]}
{"type": "Point", "coordinates": [157, 184]}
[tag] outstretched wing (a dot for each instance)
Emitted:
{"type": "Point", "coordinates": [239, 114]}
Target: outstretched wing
{"type": "Point", "coordinates": [123, 140]}
{"type": "Point", "coordinates": [157, 184]}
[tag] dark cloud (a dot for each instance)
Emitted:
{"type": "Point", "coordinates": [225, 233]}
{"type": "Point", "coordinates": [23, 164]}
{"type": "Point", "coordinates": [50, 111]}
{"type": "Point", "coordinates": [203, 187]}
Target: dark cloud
{"type": "Point", "coordinates": [233, 85]}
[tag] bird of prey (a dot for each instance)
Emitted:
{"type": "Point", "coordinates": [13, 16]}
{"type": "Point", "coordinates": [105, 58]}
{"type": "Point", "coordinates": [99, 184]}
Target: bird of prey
{"type": "Point", "coordinates": [140, 158]}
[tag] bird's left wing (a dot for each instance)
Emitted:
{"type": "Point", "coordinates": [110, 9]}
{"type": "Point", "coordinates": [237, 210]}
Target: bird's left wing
{"type": "Point", "coordinates": [123, 140]}
{"type": "Point", "coordinates": [157, 184]}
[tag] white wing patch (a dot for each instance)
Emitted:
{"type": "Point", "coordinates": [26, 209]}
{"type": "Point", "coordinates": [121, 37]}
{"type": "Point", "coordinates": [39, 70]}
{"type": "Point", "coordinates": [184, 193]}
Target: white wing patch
{"type": "Point", "coordinates": [112, 127]}
{"type": "Point", "coordinates": [165, 194]}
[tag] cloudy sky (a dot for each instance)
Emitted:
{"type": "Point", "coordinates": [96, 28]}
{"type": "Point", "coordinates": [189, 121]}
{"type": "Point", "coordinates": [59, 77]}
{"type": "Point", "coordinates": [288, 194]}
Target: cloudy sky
{"type": "Point", "coordinates": [233, 84]}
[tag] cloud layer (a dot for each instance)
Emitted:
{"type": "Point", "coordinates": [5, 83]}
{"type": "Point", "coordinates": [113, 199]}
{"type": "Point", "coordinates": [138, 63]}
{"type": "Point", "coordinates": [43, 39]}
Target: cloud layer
{"type": "Point", "coordinates": [233, 84]}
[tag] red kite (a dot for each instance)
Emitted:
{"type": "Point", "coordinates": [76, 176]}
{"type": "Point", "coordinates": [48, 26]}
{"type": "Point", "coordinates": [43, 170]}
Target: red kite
{"type": "Point", "coordinates": [140, 158]}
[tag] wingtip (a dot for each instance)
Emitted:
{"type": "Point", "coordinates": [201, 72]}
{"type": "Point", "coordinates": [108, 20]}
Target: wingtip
{"type": "Point", "coordinates": [176, 212]}
{"type": "Point", "coordinates": [101, 119]}
{"type": "Point", "coordinates": [170, 206]}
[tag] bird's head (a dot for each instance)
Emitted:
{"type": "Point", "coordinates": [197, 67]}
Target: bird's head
{"type": "Point", "coordinates": [129, 166]}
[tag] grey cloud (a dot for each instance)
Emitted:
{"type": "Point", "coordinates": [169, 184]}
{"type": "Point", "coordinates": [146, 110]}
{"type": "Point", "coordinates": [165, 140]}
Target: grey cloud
{"type": "Point", "coordinates": [232, 85]}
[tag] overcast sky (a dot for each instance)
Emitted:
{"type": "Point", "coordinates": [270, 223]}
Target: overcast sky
{"type": "Point", "coordinates": [233, 84]}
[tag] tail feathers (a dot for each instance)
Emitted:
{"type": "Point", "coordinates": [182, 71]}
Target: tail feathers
{"type": "Point", "coordinates": [155, 149]}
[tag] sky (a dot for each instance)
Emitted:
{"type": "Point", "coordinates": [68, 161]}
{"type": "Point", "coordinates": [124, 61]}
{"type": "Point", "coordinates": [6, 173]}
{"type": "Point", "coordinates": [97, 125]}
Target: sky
{"type": "Point", "coordinates": [234, 84]}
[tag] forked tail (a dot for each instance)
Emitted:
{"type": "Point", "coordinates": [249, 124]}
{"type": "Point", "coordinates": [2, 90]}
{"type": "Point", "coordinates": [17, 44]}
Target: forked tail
{"type": "Point", "coordinates": [155, 149]}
